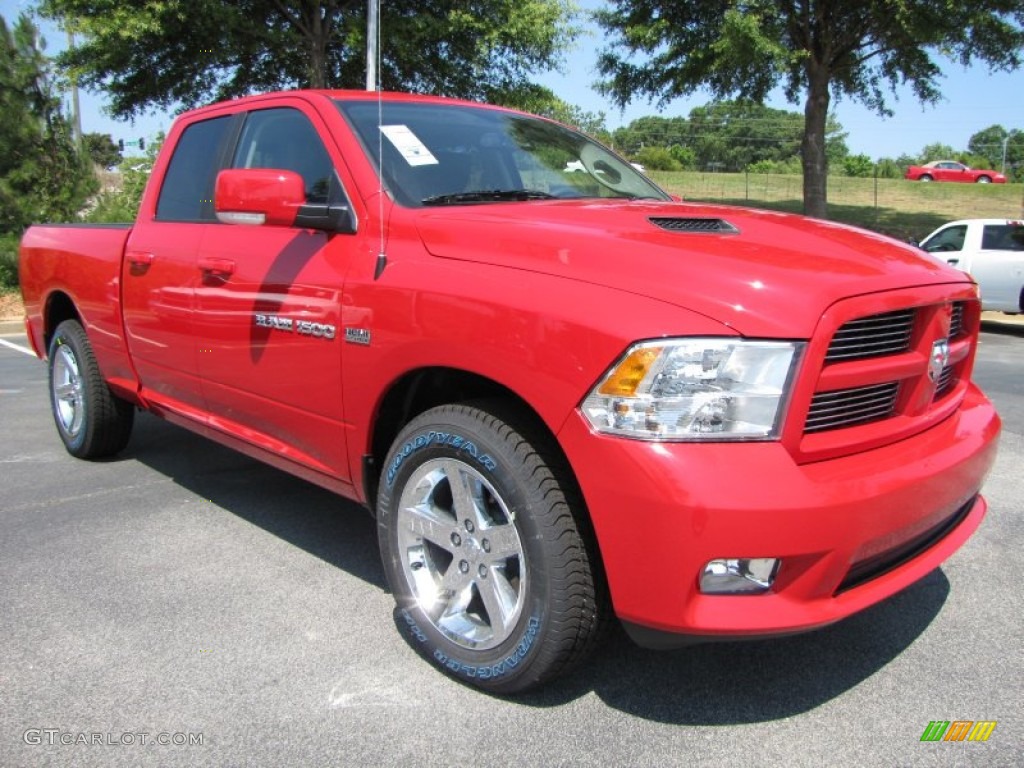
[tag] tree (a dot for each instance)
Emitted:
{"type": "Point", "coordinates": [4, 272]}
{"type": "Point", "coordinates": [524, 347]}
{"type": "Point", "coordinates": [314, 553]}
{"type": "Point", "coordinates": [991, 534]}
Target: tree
{"type": "Point", "coordinates": [657, 159]}
{"type": "Point", "coordinates": [731, 135]}
{"type": "Point", "coordinates": [120, 202]}
{"type": "Point", "coordinates": [149, 54]}
{"type": "Point", "coordinates": [42, 175]}
{"type": "Point", "coordinates": [822, 49]}
{"type": "Point", "coordinates": [859, 166]}
{"type": "Point", "coordinates": [102, 149]}
{"type": "Point", "coordinates": [542, 101]}
{"type": "Point", "coordinates": [937, 151]}
{"type": "Point", "coordinates": [726, 135]}
{"type": "Point", "coordinates": [651, 131]}
{"type": "Point", "coordinates": [1015, 155]}
{"type": "Point", "coordinates": [1003, 150]}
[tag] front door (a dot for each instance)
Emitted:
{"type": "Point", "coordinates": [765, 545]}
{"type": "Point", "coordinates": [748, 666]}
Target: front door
{"type": "Point", "coordinates": [268, 309]}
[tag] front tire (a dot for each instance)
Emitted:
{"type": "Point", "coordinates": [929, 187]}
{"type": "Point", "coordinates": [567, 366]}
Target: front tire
{"type": "Point", "coordinates": [925, 177]}
{"type": "Point", "coordinates": [90, 420]}
{"type": "Point", "coordinates": [984, 180]}
{"type": "Point", "coordinates": [487, 549]}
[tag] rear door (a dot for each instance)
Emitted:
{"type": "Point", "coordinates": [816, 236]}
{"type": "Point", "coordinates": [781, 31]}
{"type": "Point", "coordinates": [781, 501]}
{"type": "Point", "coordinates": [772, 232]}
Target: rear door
{"type": "Point", "coordinates": [160, 271]}
{"type": "Point", "coordinates": [268, 304]}
{"type": "Point", "coordinates": [999, 266]}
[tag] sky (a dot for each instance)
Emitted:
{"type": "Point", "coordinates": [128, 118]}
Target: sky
{"type": "Point", "coordinates": [973, 99]}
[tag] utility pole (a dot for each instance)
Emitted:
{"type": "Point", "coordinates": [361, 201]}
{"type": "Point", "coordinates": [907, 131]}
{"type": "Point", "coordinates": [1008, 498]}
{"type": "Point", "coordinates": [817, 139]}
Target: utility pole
{"type": "Point", "coordinates": [372, 42]}
{"type": "Point", "coordinates": [1006, 140]}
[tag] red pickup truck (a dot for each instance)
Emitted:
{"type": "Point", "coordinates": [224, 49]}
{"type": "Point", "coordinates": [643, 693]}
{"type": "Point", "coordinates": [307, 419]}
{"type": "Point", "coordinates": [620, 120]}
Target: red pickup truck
{"type": "Point", "coordinates": [565, 395]}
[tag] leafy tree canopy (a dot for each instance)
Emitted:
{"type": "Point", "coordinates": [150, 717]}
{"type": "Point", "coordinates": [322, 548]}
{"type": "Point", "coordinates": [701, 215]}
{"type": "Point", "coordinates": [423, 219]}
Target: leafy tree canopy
{"type": "Point", "coordinates": [820, 49]}
{"type": "Point", "coordinates": [150, 54]}
{"type": "Point", "coordinates": [42, 175]}
{"type": "Point", "coordinates": [102, 149]}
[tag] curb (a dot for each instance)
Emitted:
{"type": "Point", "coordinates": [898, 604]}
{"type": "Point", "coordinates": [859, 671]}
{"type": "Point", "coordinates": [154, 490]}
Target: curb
{"type": "Point", "coordinates": [999, 318]}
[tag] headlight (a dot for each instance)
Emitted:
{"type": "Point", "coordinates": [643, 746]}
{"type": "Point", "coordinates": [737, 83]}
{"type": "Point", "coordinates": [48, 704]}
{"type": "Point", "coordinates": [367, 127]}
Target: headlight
{"type": "Point", "coordinates": [696, 389]}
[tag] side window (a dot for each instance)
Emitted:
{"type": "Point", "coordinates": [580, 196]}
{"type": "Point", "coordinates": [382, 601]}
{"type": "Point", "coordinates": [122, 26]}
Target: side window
{"type": "Point", "coordinates": [187, 191]}
{"type": "Point", "coordinates": [949, 239]}
{"type": "Point", "coordinates": [1002, 237]}
{"type": "Point", "coordinates": [284, 138]}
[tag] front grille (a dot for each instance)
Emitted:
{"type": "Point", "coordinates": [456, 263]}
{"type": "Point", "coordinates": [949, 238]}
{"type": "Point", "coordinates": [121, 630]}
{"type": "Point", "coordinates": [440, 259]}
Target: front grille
{"type": "Point", "coordinates": [945, 382]}
{"type": "Point", "coordinates": [956, 323]}
{"type": "Point", "coordinates": [947, 379]}
{"type": "Point", "coordinates": [874, 336]}
{"type": "Point", "coordinates": [873, 384]}
{"type": "Point", "coordinates": [850, 407]}
{"type": "Point", "coordinates": [694, 225]}
{"type": "Point", "coordinates": [880, 564]}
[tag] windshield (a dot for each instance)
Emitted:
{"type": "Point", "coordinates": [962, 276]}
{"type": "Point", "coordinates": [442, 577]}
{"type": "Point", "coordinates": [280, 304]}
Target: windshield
{"type": "Point", "coordinates": [455, 154]}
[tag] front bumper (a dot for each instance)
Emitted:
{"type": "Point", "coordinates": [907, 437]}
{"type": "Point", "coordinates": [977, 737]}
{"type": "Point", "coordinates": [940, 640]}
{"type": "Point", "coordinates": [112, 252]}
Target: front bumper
{"type": "Point", "coordinates": [851, 531]}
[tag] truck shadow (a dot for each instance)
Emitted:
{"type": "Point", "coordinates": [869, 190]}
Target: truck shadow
{"type": "Point", "coordinates": [1003, 327]}
{"type": "Point", "coordinates": [755, 681]}
{"type": "Point", "coordinates": [338, 531]}
{"type": "Point", "coordinates": [710, 684]}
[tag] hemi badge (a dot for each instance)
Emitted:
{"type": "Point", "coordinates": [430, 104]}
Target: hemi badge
{"type": "Point", "coordinates": [357, 336]}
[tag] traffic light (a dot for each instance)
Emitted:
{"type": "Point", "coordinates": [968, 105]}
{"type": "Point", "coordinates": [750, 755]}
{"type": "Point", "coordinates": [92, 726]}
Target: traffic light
{"type": "Point", "coordinates": [120, 145]}
{"type": "Point", "coordinates": [142, 143]}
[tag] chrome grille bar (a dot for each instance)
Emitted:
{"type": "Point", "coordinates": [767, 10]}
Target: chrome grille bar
{"type": "Point", "coordinates": [874, 336]}
{"type": "Point", "coordinates": [849, 407]}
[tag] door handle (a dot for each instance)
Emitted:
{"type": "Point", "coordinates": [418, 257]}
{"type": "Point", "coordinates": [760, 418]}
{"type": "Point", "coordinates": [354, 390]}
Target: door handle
{"type": "Point", "coordinates": [214, 266]}
{"type": "Point", "coordinates": [140, 259]}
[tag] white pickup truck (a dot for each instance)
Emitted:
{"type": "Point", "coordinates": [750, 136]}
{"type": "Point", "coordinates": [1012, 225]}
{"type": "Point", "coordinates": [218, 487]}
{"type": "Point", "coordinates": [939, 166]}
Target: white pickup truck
{"type": "Point", "coordinates": [992, 251]}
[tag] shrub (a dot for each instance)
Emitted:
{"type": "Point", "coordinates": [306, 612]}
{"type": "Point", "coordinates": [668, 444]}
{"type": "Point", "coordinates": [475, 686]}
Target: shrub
{"type": "Point", "coordinates": [8, 262]}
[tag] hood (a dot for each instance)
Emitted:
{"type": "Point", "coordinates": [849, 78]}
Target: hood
{"type": "Point", "coordinates": [760, 272]}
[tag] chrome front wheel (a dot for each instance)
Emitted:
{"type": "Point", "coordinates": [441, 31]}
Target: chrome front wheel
{"type": "Point", "coordinates": [487, 547]}
{"type": "Point", "coordinates": [461, 554]}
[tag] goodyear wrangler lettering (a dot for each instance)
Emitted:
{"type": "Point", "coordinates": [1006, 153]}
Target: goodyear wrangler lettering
{"type": "Point", "coordinates": [449, 439]}
{"type": "Point", "coordinates": [502, 667]}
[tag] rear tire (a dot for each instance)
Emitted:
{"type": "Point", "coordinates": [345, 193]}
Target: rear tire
{"type": "Point", "coordinates": [487, 549]}
{"type": "Point", "coordinates": [90, 420]}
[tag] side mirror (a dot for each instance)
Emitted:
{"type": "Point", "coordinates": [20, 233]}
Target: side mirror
{"type": "Point", "coordinates": [258, 196]}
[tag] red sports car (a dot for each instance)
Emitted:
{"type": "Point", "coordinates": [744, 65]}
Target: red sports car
{"type": "Point", "coordinates": [950, 170]}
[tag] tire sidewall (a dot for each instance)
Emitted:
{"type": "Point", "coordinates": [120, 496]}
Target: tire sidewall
{"type": "Point", "coordinates": [454, 434]}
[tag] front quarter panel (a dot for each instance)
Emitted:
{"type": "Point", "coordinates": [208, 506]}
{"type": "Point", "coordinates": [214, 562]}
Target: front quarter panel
{"type": "Point", "coordinates": [545, 338]}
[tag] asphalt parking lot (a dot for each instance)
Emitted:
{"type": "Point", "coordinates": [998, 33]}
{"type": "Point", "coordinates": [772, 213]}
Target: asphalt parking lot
{"type": "Point", "coordinates": [185, 606]}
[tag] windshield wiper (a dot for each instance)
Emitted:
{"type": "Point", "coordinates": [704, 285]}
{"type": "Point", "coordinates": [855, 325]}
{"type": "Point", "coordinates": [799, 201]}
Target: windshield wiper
{"type": "Point", "coordinates": [488, 196]}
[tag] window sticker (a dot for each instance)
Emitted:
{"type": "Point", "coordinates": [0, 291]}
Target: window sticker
{"type": "Point", "coordinates": [408, 145]}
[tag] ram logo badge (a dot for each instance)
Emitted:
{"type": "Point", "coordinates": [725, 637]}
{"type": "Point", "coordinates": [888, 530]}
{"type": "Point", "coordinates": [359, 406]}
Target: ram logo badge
{"type": "Point", "coordinates": [939, 359]}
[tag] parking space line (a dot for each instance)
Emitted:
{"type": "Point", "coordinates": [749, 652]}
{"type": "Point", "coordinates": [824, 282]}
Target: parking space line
{"type": "Point", "coordinates": [17, 348]}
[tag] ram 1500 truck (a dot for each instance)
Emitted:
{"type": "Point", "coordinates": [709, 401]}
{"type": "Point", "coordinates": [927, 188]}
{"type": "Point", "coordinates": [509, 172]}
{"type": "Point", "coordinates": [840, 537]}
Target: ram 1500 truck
{"type": "Point", "coordinates": [564, 394]}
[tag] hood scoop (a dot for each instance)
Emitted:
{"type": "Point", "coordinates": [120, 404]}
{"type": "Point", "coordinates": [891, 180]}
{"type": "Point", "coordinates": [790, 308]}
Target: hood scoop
{"type": "Point", "coordinates": [696, 225]}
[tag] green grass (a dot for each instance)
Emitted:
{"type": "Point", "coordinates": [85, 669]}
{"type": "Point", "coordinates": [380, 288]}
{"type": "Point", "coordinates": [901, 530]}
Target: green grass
{"type": "Point", "coordinates": [902, 209]}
